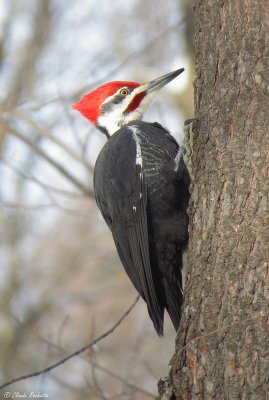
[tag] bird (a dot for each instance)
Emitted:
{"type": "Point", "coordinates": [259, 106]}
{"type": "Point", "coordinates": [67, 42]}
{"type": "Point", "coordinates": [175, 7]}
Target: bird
{"type": "Point", "coordinates": [141, 186]}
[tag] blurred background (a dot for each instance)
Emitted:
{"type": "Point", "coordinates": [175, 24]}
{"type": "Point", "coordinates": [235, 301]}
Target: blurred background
{"type": "Point", "coordinates": [61, 281]}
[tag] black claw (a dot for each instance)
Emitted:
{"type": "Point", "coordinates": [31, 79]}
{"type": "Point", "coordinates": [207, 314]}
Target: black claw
{"type": "Point", "coordinates": [189, 121]}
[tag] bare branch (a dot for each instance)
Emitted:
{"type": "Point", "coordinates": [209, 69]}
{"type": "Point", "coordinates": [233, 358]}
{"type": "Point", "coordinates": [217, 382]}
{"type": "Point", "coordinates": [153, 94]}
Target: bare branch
{"type": "Point", "coordinates": [53, 162]}
{"type": "Point", "coordinates": [150, 43]}
{"type": "Point", "coordinates": [24, 206]}
{"type": "Point", "coordinates": [129, 383]}
{"type": "Point", "coordinates": [25, 71]}
{"type": "Point", "coordinates": [40, 130]}
{"type": "Point", "coordinates": [75, 353]}
{"type": "Point", "coordinates": [84, 393]}
{"type": "Point", "coordinates": [83, 144]}
{"type": "Point", "coordinates": [26, 174]}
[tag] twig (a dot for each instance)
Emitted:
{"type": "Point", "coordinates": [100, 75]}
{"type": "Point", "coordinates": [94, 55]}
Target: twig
{"type": "Point", "coordinates": [83, 145]}
{"type": "Point", "coordinates": [150, 43]}
{"type": "Point", "coordinates": [19, 170]}
{"type": "Point", "coordinates": [75, 353]}
{"type": "Point", "coordinates": [24, 70]}
{"type": "Point", "coordinates": [53, 162]}
{"type": "Point", "coordinates": [28, 207]}
{"type": "Point", "coordinates": [129, 383]}
{"type": "Point", "coordinates": [43, 132]}
{"type": "Point", "coordinates": [84, 393]}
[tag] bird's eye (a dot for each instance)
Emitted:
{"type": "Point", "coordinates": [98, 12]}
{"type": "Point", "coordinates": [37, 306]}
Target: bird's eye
{"type": "Point", "coordinates": [124, 92]}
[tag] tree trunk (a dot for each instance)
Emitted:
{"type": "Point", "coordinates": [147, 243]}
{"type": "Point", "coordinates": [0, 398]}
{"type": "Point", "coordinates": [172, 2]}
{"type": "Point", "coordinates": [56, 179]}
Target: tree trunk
{"type": "Point", "coordinates": [223, 342]}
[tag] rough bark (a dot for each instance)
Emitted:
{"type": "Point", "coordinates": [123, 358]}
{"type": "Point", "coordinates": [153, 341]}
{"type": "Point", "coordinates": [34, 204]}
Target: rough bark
{"type": "Point", "coordinates": [223, 342]}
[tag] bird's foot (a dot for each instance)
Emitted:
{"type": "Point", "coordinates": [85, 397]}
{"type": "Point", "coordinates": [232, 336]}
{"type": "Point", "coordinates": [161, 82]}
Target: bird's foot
{"type": "Point", "coordinates": [165, 388]}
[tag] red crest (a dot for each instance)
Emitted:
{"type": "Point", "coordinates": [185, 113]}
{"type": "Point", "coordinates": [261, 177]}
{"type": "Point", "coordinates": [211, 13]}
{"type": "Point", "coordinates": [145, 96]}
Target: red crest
{"type": "Point", "coordinates": [89, 104]}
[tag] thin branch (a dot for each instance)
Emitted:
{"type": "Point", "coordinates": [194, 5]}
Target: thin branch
{"type": "Point", "coordinates": [49, 190]}
{"type": "Point", "coordinates": [82, 392]}
{"type": "Point", "coordinates": [75, 353]}
{"type": "Point", "coordinates": [28, 207]}
{"type": "Point", "coordinates": [19, 170]}
{"type": "Point", "coordinates": [83, 144]}
{"type": "Point", "coordinates": [53, 162]}
{"type": "Point", "coordinates": [96, 385]}
{"type": "Point", "coordinates": [38, 207]}
{"type": "Point", "coordinates": [128, 382]}
{"type": "Point", "coordinates": [24, 70]}
{"type": "Point", "coordinates": [150, 43]}
{"type": "Point", "coordinates": [136, 53]}
{"type": "Point", "coordinates": [48, 135]}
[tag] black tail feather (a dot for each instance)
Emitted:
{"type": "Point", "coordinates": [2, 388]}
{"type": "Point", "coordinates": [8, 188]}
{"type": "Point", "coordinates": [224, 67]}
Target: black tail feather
{"type": "Point", "coordinates": [173, 300]}
{"type": "Point", "coordinates": [157, 320]}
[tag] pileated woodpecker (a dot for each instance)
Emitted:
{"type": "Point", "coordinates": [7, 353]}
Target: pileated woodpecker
{"type": "Point", "coordinates": [141, 187]}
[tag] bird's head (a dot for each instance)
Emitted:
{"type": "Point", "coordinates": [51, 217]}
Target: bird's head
{"type": "Point", "coordinates": [113, 105]}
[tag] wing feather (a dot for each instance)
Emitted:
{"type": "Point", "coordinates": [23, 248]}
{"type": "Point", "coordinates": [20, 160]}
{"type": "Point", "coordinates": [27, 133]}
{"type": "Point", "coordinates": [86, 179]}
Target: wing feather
{"type": "Point", "coordinates": [121, 195]}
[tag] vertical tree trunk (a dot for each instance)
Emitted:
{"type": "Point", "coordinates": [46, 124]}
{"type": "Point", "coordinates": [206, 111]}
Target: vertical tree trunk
{"type": "Point", "coordinates": [223, 342]}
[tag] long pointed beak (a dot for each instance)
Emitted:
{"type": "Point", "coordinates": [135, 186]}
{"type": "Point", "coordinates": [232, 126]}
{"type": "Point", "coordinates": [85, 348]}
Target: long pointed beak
{"type": "Point", "coordinates": [163, 80]}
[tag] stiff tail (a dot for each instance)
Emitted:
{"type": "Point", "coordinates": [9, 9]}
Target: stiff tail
{"type": "Point", "coordinates": [157, 320]}
{"type": "Point", "coordinates": [173, 301]}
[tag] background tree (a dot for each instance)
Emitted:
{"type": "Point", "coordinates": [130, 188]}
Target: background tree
{"type": "Point", "coordinates": [223, 342]}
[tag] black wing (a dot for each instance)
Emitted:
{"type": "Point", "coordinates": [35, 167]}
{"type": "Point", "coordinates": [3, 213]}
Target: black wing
{"type": "Point", "coordinates": [121, 195]}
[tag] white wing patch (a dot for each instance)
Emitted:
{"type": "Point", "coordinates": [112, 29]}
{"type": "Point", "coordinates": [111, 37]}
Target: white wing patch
{"type": "Point", "coordinates": [138, 159]}
{"type": "Point", "coordinates": [178, 159]}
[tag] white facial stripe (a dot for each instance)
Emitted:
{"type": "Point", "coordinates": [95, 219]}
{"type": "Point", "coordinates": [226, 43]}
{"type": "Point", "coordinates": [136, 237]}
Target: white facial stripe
{"type": "Point", "coordinates": [116, 118]}
{"type": "Point", "coordinates": [108, 122]}
{"type": "Point", "coordinates": [108, 99]}
{"type": "Point", "coordinates": [113, 119]}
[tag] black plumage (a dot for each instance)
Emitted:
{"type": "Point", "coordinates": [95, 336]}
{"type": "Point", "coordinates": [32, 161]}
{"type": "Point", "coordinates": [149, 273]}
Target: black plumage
{"type": "Point", "coordinates": [141, 187]}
